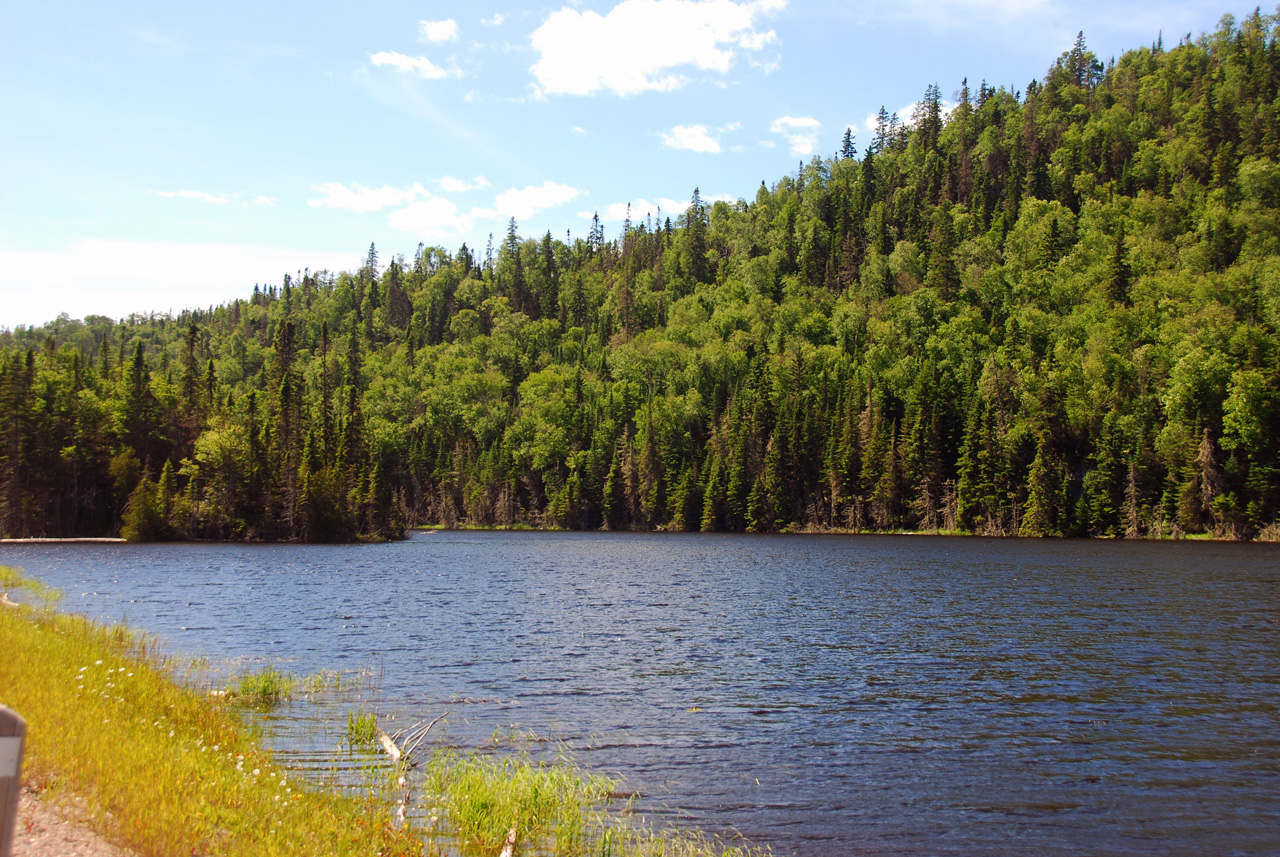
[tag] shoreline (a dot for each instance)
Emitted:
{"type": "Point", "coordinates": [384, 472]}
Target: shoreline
{"type": "Point", "coordinates": [118, 746]}
{"type": "Point", "coordinates": [1268, 536]}
{"type": "Point", "coordinates": [101, 540]}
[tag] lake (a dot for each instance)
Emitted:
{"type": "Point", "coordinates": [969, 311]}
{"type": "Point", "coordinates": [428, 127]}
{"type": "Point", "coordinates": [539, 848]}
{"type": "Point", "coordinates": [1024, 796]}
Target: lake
{"type": "Point", "coordinates": [821, 694]}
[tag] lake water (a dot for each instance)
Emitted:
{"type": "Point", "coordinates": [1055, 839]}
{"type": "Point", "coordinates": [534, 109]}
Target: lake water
{"type": "Point", "coordinates": [821, 694]}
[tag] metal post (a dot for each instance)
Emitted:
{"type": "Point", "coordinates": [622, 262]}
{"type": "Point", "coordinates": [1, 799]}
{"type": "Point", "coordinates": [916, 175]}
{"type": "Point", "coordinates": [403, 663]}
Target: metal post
{"type": "Point", "coordinates": [13, 733]}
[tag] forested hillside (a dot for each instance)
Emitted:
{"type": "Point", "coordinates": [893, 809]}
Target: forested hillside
{"type": "Point", "coordinates": [1042, 313]}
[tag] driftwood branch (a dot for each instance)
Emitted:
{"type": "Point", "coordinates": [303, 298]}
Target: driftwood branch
{"type": "Point", "coordinates": [417, 734]}
{"type": "Point", "coordinates": [410, 739]}
{"type": "Point", "coordinates": [388, 743]}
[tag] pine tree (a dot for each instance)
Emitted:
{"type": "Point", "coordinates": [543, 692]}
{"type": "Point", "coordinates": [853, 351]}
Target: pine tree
{"type": "Point", "coordinates": [848, 150]}
{"type": "Point", "coordinates": [1118, 270]}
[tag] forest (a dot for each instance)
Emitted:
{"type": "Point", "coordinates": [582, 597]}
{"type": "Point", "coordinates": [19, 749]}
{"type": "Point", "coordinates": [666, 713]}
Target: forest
{"type": "Point", "coordinates": [1042, 313]}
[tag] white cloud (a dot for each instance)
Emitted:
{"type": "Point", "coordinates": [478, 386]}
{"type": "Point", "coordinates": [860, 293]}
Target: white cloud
{"type": "Point", "coordinates": [695, 138]}
{"type": "Point", "coordinates": [430, 218]}
{"type": "Point", "coordinates": [451, 185]}
{"type": "Point", "coordinates": [639, 44]}
{"type": "Point", "coordinates": [438, 31]}
{"type": "Point", "coordinates": [526, 202]}
{"type": "Point", "coordinates": [216, 199]}
{"type": "Point", "coordinates": [265, 200]}
{"type": "Point", "coordinates": [578, 129]}
{"type": "Point", "coordinates": [495, 21]}
{"type": "Point", "coordinates": [416, 65]}
{"type": "Point", "coordinates": [362, 199]}
{"type": "Point", "coordinates": [437, 217]}
{"type": "Point", "coordinates": [617, 212]}
{"type": "Point", "coordinates": [116, 278]}
{"type": "Point", "coordinates": [801, 133]}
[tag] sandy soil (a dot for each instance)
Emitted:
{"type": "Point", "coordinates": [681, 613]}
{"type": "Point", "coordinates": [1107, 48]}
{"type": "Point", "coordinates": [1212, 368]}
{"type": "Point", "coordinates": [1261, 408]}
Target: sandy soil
{"type": "Point", "coordinates": [45, 830]}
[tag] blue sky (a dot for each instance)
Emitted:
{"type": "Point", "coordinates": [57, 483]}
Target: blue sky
{"type": "Point", "coordinates": [158, 156]}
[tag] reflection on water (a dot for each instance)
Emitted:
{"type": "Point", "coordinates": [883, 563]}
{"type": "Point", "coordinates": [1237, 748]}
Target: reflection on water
{"type": "Point", "coordinates": [824, 695]}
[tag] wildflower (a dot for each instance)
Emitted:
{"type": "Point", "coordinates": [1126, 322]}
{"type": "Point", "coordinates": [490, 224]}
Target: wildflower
{"type": "Point", "coordinates": [255, 772]}
{"type": "Point", "coordinates": [98, 663]}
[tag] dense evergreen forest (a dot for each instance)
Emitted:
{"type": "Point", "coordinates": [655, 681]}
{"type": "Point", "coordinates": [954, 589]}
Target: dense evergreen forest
{"type": "Point", "coordinates": [1042, 313]}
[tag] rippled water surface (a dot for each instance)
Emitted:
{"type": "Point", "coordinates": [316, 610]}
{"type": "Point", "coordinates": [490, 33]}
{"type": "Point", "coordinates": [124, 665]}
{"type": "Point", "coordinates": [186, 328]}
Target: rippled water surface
{"type": "Point", "coordinates": [821, 694]}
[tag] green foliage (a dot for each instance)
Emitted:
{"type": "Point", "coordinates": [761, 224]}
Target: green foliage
{"type": "Point", "coordinates": [263, 689]}
{"type": "Point", "coordinates": [1046, 313]}
{"type": "Point", "coordinates": [362, 728]}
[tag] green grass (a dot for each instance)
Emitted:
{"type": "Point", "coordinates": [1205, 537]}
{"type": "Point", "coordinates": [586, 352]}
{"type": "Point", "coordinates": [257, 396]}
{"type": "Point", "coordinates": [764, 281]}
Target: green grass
{"type": "Point", "coordinates": [361, 728]}
{"type": "Point", "coordinates": [263, 689]}
{"type": "Point", "coordinates": [480, 798]}
{"type": "Point", "coordinates": [163, 769]}
{"type": "Point", "coordinates": [557, 809]}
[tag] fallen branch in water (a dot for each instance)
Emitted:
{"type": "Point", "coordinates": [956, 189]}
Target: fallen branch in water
{"type": "Point", "coordinates": [388, 743]}
{"type": "Point", "coordinates": [415, 735]}
{"type": "Point", "coordinates": [410, 740]}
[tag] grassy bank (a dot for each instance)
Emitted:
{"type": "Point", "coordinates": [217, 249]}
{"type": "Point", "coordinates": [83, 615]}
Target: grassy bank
{"type": "Point", "coordinates": [165, 769]}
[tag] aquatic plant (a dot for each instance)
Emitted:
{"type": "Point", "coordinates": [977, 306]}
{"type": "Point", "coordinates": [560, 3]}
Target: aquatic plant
{"type": "Point", "coordinates": [265, 688]}
{"type": "Point", "coordinates": [361, 728]}
{"type": "Point", "coordinates": [487, 801]}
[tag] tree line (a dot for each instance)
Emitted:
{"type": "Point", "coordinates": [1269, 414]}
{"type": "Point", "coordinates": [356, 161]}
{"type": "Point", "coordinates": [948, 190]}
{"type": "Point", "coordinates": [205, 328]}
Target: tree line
{"type": "Point", "coordinates": [1042, 313]}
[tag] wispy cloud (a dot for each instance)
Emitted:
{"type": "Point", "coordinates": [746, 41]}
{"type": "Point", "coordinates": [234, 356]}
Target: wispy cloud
{"type": "Point", "coordinates": [438, 31]}
{"type": "Point", "coordinates": [801, 133]}
{"type": "Point", "coordinates": [214, 198]}
{"type": "Point", "coordinates": [525, 202]}
{"type": "Point", "coordinates": [356, 197]}
{"type": "Point", "coordinates": [695, 138]}
{"type": "Point", "coordinates": [420, 66]}
{"type": "Point", "coordinates": [436, 217]}
{"type": "Point", "coordinates": [451, 185]}
{"type": "Point", "coordinates": [495, 21]}
{"type": "Point", "coordinates": [640, 44]}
